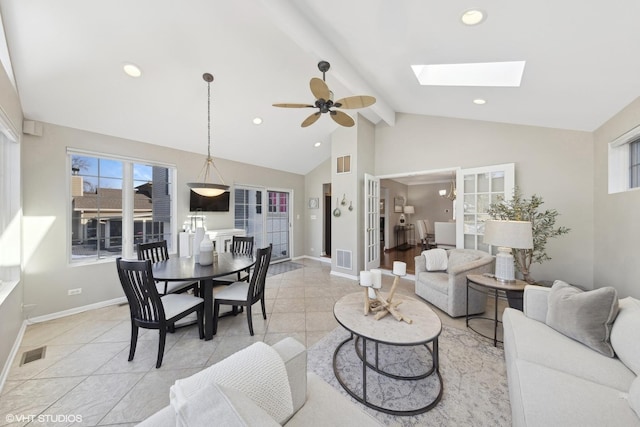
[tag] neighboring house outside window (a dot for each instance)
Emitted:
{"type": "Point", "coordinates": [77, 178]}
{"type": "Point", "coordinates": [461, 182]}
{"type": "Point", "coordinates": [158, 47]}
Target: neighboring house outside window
{"type": "Point", "coordinates": [100, 212]}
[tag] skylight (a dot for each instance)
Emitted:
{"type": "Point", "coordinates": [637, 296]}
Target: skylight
{"type": "Point", "coordinates": [505, 74]}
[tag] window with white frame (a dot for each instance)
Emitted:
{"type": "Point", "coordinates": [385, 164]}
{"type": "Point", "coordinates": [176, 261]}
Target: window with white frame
{"type": "Point", "coordinates": [624, 162]}
{"type": "Point", "coordinates": [10, 210]}
{"type": "Point", "coordinates": [117, 203]}
{"type": "Point", "coordinates": [634, 164]}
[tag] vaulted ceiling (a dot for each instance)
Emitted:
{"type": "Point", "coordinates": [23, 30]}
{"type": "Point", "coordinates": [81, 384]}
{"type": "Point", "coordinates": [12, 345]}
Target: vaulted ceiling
{"type": "Point", "coordinates": [582, 66]}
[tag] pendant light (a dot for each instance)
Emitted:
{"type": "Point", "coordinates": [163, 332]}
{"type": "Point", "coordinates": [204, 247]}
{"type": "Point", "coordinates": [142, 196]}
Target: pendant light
{"type": "Point", "coordinates": [206, 187]}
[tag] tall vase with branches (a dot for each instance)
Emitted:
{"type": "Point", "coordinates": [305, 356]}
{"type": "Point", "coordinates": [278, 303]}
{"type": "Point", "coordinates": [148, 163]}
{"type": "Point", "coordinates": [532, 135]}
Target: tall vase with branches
{"type": "Point", "coordinates": [543, 223]}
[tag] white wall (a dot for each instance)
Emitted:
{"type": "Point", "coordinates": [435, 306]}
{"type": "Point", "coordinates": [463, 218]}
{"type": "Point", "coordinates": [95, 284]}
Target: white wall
{"type": "Point", "coordinates": [47, 273]}
{"type": "Point", "coordinates": [616, 223]}
{"type": "Point", "coordinates": [555, 164]}
{"type": "Point", "coordinates": [429, 204]}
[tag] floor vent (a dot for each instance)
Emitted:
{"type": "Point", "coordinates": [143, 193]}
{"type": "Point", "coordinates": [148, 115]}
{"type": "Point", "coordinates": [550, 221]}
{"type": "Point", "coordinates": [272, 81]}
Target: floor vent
{"type": "Point", "coordinates": [343, 259]}
{"type": "Point", "coordinates": [33, 355]}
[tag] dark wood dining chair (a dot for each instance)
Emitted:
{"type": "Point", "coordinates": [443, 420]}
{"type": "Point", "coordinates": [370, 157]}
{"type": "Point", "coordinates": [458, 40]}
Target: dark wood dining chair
{"type": "Point", "coordinates": [245, 294]}
{"type": "Point", "coordinates": [148, 309]}
{"type": "Point", "coordinates": [240, 245]}
{"type": "Point", "coordinates": [155, 252]}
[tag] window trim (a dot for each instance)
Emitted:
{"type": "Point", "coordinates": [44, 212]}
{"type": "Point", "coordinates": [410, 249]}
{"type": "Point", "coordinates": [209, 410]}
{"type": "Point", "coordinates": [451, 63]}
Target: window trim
{"type": "Point", "coordinates": [619, 161]}
{"type": "Point", "coordinates": [127, 249]}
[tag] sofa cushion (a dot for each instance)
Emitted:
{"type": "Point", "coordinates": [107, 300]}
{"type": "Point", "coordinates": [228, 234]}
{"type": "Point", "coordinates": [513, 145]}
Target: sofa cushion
{"type": "Point", "coordinates": [226, 406]}
{"type": "Point", "coordinates": [586, 317]}
{"type": "Point", "coordinates": [555, 398]}
{"type": "Point", "coordinates": [634, 396]}
{"type": "Point", "coordinates": [625, 334]}
{"type": "Point", "coordinates": [436, 259]}
{"type": "Point", "coordinates": [536, 342]}
{"type": "Point", "coordinates": [436, 280]}
{"type": "Point", "coordinates": [326, 406]}
{"type": "Point", "coordinates": [460, 257]}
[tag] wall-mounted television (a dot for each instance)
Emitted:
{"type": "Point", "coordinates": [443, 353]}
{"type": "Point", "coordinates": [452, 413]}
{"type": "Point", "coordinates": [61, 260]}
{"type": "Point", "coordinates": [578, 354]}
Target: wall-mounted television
{"type": "Point", "coordinates": [209, 204]}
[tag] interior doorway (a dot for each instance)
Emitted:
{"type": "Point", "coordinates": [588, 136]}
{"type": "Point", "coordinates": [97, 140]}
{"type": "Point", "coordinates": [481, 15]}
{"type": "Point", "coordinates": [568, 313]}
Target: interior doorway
{"type": "Point", "coordinates": [326, 221]}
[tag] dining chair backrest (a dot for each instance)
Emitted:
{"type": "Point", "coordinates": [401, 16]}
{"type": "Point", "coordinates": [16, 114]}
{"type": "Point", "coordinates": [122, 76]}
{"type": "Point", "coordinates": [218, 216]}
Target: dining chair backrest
{"type": "Point", "coordinates": [422, 230]}
{"type": "Point", "coordinates": [136, 278]}
{"type": "Point", "coordinates": [259, 276]}
{"type": "Point", "coordinates": [153, 251]}
{"type": "Point", "coordinates": [242, 245]}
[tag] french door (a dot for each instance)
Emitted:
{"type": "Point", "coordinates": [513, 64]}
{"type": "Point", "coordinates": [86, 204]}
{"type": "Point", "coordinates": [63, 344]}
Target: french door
{"type": "Point", "coordinates": [266, 215]}
{"type": "Point", "coordinates": [477, 189]}
{"type": "Point", "coordinates": [371, 221]}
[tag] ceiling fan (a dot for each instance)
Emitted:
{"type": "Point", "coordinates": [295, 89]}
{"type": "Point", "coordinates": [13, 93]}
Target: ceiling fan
{"type": "Point", "coordinates": [324, 101]}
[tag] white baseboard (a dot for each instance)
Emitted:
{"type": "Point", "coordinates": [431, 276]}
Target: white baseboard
{"type": "Point", "coordinates": [12, 355]}
{"type": "Point", "coordinates": [345, 275]}
{"type": "Point", "coordinates": [76, 310]}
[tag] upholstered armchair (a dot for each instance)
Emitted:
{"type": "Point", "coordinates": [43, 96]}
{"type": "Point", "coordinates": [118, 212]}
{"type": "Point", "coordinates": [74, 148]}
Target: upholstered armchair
{"type": "Point", "coordinates": [447, 289]}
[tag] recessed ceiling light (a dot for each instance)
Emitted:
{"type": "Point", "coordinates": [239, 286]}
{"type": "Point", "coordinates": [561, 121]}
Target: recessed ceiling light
{"type": "Point", "coordinates": [257, 121]}
{"type": "Point", "coordinates": [496, 74]}
{"type": "Point", "coordinates": [472, 17]}
{"type": "Point", "coordinates": [317, 144]}
{"type": "Point", "coordinates": [479, 101]}
{"type": "Point", "coordinates": [132, 70]}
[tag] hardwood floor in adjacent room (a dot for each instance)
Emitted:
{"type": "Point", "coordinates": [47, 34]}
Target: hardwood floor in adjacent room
{"type": "Point", "coordinates": [387, 257]}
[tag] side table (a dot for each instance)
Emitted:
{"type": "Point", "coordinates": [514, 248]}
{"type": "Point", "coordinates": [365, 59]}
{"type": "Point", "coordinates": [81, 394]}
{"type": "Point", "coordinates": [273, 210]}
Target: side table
{"type": "Point", "coordinates": [491, 286]}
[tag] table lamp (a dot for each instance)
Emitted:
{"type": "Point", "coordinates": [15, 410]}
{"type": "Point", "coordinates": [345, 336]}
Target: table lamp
{"type": "Point", "coordinates": [507, 235]}
{"type": "Point", "coordinates": [408, 209]}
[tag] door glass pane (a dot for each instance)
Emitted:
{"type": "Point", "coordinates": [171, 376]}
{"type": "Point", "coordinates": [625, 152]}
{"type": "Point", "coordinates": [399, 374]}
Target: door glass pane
{"type": "Point", "coordinates": [482, 187]}
{"type": "Point", "coordinates": [278, 224]}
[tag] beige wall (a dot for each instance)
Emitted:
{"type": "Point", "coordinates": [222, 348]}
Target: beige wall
{"type": "Point", "coordinates": [616, 224]}
{"type": "Point", "coordinates": [429, 204]}
{"type": "Point", "coordinates": [47, 273]}
{"type": "Point", "coordinates": [555, 164]}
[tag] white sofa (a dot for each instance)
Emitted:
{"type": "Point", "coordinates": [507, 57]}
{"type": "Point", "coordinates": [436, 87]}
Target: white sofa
{"type": "Point", "coordinates": [314, 402]}
{"type": "Point", "coordinates": [447, 290]}
{"type": "Point", "coordinates": [557, 381]}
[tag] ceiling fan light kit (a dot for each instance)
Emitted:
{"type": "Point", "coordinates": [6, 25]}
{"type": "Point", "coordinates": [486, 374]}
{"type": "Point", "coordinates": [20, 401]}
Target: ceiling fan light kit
{"type": "Point", "coordinates": [325, 104]}
{"type": "Point", "coordinates": [206, 187]}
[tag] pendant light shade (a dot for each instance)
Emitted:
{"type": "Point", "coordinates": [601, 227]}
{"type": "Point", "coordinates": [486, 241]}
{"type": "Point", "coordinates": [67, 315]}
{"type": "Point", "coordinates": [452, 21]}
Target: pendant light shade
{"type": "Point", "coordinates": [206, 187]}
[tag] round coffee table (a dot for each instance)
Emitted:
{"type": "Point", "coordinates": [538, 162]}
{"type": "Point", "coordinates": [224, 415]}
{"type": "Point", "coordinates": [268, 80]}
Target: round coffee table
{"type": "Point", "coordinates": [425, 329]}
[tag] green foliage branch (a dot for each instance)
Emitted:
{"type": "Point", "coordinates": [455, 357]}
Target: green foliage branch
{"type": "Point", "coordinates": [543, 223]}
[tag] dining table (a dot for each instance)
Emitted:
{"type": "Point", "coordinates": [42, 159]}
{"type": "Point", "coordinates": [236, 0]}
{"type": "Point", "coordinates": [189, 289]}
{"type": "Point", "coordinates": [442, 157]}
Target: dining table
{"type": "Point", "coordinates": [185, 268]}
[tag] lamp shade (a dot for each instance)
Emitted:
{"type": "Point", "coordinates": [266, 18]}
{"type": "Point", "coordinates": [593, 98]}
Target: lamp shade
{"type": "Point", "coordinates": [509, 234]}
{"type": "Point", "coordinates": [409, 209]}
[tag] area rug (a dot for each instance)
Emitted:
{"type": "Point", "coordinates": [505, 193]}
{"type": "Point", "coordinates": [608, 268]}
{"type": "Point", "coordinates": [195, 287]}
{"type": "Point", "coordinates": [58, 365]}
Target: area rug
{"type": "Point", "coordinates": [283, 267]}
{"type": "Point", "coordinates": [473, 372]}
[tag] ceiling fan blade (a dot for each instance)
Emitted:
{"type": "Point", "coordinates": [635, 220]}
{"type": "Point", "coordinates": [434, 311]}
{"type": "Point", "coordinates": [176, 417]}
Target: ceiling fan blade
{"type": "Point", "coordinates": [343, 119]}
{"type": "Point", "coordinates": [359, 101]}
{"type": "Point", "coordinates": [320, 89]}
{"type": "Point", "coordinates": [289, 105]}
{"type": "Point", "coordinates": [310, 120]}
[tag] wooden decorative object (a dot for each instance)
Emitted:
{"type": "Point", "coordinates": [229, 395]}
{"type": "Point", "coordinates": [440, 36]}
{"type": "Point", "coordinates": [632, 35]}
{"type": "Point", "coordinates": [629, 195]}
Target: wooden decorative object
{"type": "Point", "coordinates": [382, 306]}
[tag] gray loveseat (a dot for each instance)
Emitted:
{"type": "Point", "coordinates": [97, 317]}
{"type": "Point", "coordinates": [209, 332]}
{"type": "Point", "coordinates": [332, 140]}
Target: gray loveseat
{"type": "Point", "coordinates": [447, 290]}
{"type": "Point", "coordinates": [314, 402]}
{"type": "Point", "coordinates": [557, 381]}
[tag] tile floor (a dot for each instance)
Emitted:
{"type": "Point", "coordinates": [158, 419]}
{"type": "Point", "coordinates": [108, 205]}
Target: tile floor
{"type": "Point", "coordinates": [85, 372]}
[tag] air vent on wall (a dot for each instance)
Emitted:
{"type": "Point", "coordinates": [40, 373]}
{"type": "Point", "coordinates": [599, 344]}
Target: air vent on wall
{"type": "Point", "coordinates": [343, 259]}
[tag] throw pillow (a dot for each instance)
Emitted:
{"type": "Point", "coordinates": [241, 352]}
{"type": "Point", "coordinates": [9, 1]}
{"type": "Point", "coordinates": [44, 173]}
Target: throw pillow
{"type": "Point", "coordinates": [634, 396]}
{"type": "Point", "coordinates": [436, 259]}
{"type": "Point", "coordinates": [586, 317]}
{"type": "Point", "coordinates": [625, 334]}
{"type": "Point", "coordinates": [217, 404]}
